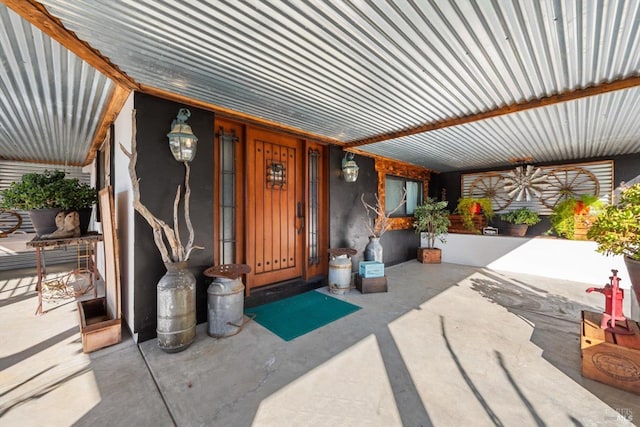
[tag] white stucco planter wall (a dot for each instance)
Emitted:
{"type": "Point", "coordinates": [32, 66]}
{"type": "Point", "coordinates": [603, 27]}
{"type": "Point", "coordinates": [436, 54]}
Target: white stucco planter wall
{"type": "Point", "coordinates": [572, 260]}
{"type": "Point", "coordinates": [548, 257]}
{"type": "Point", "coordinates": [123, 200]}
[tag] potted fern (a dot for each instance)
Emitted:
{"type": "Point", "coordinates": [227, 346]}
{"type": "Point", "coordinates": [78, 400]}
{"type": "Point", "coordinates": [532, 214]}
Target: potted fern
{"type": "Point", "coordinates": [471, 215]}
{"type": "Point", "coordinates": [572, 217]}
{"type": "Point", "coordinates": [519, 221]}
{"type": "Point", "coordinates": [432, 218]}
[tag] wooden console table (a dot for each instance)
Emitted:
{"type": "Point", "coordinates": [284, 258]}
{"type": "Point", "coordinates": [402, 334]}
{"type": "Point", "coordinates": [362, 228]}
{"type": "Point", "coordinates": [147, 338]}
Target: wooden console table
{"type": "Point", "coordinates": [40, 245]}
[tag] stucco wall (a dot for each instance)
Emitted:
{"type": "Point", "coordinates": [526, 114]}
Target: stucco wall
{"type": "Point", "coordinates": [123, 204]}
{"type": "Point", "coordinates": [347, 216]}
{"type": "Point", "coordinates": [571, 260]}
{"type": "Point", "coordinates": [160, 175]}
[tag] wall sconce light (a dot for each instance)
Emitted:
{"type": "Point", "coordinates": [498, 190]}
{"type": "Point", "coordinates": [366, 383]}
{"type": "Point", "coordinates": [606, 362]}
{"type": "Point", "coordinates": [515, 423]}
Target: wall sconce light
{"type": "Point", "coordinates": [182, 141]}
{"type": "Point", "coordinates": [349, 168]}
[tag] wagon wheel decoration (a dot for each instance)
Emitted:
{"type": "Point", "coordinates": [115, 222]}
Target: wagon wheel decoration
{"type": "Point", "coordinates": [10, 221]}
{"type": "Point", "coordinates": [567, 183]}
{"type": "Point", "coordinates": [525, 182]}
{"type": "Point", "coordinates": [491, 186]}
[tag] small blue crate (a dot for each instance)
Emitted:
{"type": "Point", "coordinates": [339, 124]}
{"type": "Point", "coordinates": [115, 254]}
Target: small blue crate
{"type": "Point", "coordinates": [368, 269]}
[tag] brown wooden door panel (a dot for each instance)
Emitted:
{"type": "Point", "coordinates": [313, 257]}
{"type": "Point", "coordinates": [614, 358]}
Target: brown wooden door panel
{"type": "Point", "coordinates": [268, 224]}
{"type": "Point", "coordinates": [256, 210]}
{"type": "Point", "coordinates": [274, 245]}
{"type": "Point", "coordinates": [289, 233]}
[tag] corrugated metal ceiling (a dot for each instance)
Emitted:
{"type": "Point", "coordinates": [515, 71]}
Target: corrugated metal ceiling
{"type": "Point", "coordinates": [350, 70]}
{"type": "Point", "coordinates": [592, 127]}
{"type": "Point", "coordinates": [51, 101]}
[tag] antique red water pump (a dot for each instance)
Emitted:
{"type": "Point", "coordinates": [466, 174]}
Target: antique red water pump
{"type": "Point", "coordinates": [613, 306]}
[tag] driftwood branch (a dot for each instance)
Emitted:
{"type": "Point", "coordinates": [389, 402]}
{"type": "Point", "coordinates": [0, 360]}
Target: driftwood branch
{"type": "Point", "coordinates": [187, 215]}
{"type": "Point", "coordinates": [159, 227]}
{"type": "Point", "coordinates": [380, 218]}
{"type": "Point", "coordinates": [176, 225]}
{"type": "Point", "coordinates": [137, 205]}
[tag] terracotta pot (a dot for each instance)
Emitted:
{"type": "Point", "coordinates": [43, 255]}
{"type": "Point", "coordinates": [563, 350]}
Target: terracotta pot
{"type": "Point", "coordinates": [633, 268]}
{"type": "Point", "coordinates": [517, 230]}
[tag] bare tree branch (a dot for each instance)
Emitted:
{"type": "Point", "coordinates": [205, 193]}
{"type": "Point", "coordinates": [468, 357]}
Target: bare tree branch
{"type": "Point", "coordinates": [380, 218]}
{"type": "Point", "coordinates": [368, 208]}
{"type": "Point", "coordinates": [172, 235]}
{"type": "Point", "coordinates": [176, 225]}
{"type": "Point", "coordinates": [187, 213]}
{"type": "Point", "coordinates": [137, 205]}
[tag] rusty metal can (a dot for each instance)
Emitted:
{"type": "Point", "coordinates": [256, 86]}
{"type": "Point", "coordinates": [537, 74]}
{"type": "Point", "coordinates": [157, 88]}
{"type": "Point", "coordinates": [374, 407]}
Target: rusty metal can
{"type": "Point", "coordinates": [225, 306]}
{"type": "Point", "coordinates": [176, 308]}
{"type": "Point", "coordinates": [339, 274]}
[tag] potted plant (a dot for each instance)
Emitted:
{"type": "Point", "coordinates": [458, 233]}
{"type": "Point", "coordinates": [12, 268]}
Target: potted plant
{"type": "Point", "coordinates": [519, 221]}
{"type": "Point", "coordinates": [572, 218]}
{"type": "Point", "coordinates": [616, 230]}
{"type": "Point", "coordinates": [432, 218]}
{"type": "Point", "coordinates": [43, 195]}
{"type": "Point", "coordinates": [471, 214]}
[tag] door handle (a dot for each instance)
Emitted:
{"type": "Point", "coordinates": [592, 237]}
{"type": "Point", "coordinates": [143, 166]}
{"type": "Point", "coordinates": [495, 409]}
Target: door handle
{"type": "Point", "coordinates": [300, 215]}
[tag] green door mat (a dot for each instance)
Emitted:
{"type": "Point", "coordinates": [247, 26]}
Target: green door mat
{"type": "Point", "coordinates": [297, 315]}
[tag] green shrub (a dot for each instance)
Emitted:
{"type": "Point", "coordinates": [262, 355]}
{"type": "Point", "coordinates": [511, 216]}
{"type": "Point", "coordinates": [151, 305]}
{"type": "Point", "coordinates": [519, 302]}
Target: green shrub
{"type": "Point", "coordinates": [466, 206]}
{"type": "Point", "coordinates": [616, 229]}
{"type": "Point", "coordinates": [563, 217]}
{"type": "Point", "coordinates": [49, 189]}
{"type": "Point", "coordinates": [432, 217]}
{"type": "Point", "coordinates": [522, 215]}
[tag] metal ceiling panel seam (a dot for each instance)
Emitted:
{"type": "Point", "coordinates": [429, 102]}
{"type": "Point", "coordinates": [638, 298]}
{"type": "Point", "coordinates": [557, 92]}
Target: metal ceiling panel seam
{"type": "Point", "coordinates": [356, 69]}
{"type": "Point", "coordinates": [152, 83]}
{"type": "Point", "coordinates": [257, 4]}
{"type": "Point", "coordinates": [51, 99]}
{"type": "Point", "coordinates": [583, 128]}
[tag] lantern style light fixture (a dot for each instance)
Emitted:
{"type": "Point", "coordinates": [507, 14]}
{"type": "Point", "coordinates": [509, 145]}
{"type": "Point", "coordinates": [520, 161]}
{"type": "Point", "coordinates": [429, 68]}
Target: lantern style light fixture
{"type": "Point", "coordinates": [349, 168]}
{"type": "Point", "coordinates": [182, 141]}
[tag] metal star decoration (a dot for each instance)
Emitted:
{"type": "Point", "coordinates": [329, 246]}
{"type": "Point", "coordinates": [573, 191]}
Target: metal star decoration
{"type": "Point", "coordinates": [526, 183]}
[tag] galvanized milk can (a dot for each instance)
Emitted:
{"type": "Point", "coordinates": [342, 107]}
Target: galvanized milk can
{"type": "Point", "coordinates": [225, 299]}
{"type": "Point", "coordinates": [340, 267]}
{"type": "Point", "coordinates": [176, 308]}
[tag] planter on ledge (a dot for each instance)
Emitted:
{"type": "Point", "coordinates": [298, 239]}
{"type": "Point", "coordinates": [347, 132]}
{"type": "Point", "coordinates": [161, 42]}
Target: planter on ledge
{"type": "Point", "coordinates": [429, 255]}
{"type": "Point", "coordinates": [44, 220]}
{"type": "Point", "coordinates": [517, 230]}
{"type": "Point", "coordinates": [457, 224]}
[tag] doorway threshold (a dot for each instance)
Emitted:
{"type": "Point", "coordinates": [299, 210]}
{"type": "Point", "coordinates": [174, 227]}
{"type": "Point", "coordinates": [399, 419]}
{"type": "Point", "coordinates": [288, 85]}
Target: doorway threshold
{"type": "Point", "coordinates": [281, 290]}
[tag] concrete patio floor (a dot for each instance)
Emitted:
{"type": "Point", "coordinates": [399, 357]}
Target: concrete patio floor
{"type": "Point", "coordinates": [448, 345]}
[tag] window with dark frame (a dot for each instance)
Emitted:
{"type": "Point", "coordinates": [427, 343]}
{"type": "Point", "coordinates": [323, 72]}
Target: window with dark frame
{"type": "Point", "coordinates": [393, 178]}
{"type": "Point", "coordinates": [227, 196]}
{"type": "Point", "coordinates": [395, 186]}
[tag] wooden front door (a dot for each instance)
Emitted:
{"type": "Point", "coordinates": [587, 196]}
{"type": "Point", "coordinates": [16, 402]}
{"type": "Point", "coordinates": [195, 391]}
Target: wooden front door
{"type": "Point", "coordinates": [275, 208]}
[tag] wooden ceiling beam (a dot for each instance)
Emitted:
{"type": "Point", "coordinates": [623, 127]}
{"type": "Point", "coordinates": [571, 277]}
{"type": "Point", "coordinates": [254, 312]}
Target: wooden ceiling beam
{"type": "Point", "coordinates": [570, 95]}
{"type": "Point", "coordinates": [235, 115]}
{"type": "Point", "coordinates": [116, 102]}
{"type": "Point", "coordinates": [40, 17]}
